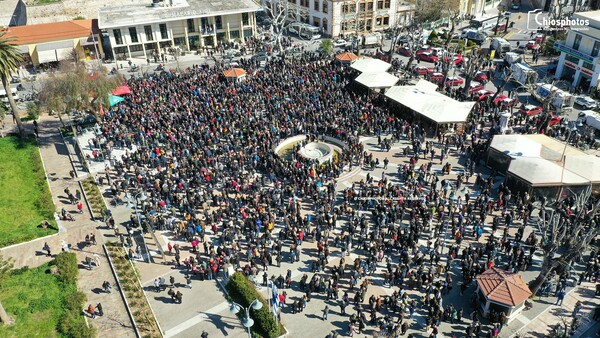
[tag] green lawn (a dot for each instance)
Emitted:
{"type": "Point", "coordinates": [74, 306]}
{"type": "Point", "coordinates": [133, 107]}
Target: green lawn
{"type": "Point", "coordinates": [24, 192]}
{"type": "Point", "coordinates": [35, 300]}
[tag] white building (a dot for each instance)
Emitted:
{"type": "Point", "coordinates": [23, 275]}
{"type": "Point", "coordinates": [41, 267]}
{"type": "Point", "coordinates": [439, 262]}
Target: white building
{"type": "Point", "coordinates": [578, 62]}
{"type": "Point", "coordinates": [351, 17]}
{"type": "Point", "coordinates": [141, 29]}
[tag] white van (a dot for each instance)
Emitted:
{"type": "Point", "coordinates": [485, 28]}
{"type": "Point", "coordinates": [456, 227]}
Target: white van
{"type": "Point", "coordinates": [4, 98]}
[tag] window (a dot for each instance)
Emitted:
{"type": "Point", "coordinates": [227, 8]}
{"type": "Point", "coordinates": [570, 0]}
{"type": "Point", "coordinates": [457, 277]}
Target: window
{"type": "Point", "coordinates": [148, 32]}
{"type": "Point", "coordinates": [386, 20]}
{"type": "Point", "coordinates": [596, 48]}
{"type": "Point", "coordinates": [577, 41]}
{"type": "Point", "coordinates": [245, 19]}
{"type": "Point", "coordinates": [325, 21]}
{"type": "Point", "coordinates": [218, 22]}
{"type": "Point", "coordinates": [378, 21]}
{"type": "Point", "coordinates": [120, 50]}
{"type": "Point", "coordinates": [191, 26]}
{"type": "Point", "coordinates": [234, 34]}
{"type": "Point", "coordinates": [163, 31]}
{"type": "Point", "coordinates": [370, 6]}
{"type": "Point", "coordinates": [118, 36]}
{"type": "Point", "coordinates": [380, 4]}
{"type": "Point", "coordinates": [325, 8]}
{"type": "Point", "coordinates": [588, 65]}
{"type": "Point", "coordinates": [362, 7]}
{"type": "Point", "coordinates": [387, 4]}
{"type": "Point", "coordinates": [572, 59]}
{"type": "Point", "coordinates": [133, 35]}
{"type": "Point", "coordinates": [136, 48]}
{"type": "Point", "coordinates": [316, 22]}
{"type": "Point", "coordinates": [316, 5]}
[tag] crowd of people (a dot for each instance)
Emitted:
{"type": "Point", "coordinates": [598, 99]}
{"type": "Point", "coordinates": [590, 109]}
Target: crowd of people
{"type": "Point", "coordinates": [204, 158]}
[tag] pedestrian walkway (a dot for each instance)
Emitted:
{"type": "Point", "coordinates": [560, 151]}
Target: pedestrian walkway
{"type": "Point", "coordinates": [55, 156]}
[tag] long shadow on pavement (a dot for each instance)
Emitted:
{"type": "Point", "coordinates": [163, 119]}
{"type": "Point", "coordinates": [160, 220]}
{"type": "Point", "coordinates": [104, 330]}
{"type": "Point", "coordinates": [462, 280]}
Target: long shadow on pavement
{"type": "Point", "coordinates": [219, 323]}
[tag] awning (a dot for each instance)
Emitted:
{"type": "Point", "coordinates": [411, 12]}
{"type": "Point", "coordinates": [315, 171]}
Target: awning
{"type": "Point", "coordinates": [346, 57]}
{"type": "Point", "coordinates": [431, 104]}
{"type": "Point", "coordinates": [24, 49]}
{"type": "Point", "coordinates": [371, 66]}
{"type": "Point", "coordinates": [122, 90]}
{"type": "Point", "coordinates": [114, 100]}
{"type": "Point", "coordinates": [377, 80]}
{"type": "Point", "coordinates": [234, 72]}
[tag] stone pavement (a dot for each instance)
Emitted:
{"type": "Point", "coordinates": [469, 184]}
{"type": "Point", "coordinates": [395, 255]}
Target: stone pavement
{"type": "Point", "coordinates": [55, 156]}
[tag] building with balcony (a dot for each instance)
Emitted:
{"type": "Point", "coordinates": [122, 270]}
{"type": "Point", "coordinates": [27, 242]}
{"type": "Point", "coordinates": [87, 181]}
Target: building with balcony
{"type": "Point", "coordinates": [140, 30]}
{"type": "Point", "coordinates": [351, 17]}
{"type": "Point", "coordinates": [578, 62]}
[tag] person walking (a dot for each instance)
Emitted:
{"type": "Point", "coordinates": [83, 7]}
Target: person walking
{"type": "Point", "coordinates": [560, 296]}
{"type": "Point", "coordinates": [325, 312]}
{"type": "Point", "coordinates": [47, 249]}
{"type": "Point", "coordinates": [188, 281]}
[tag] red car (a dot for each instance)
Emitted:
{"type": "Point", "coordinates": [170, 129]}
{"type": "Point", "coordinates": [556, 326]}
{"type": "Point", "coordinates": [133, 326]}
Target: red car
{"type": "Point", "coordinates": [499, 28]}
{"type": "Point", "coordinates": [555, 119]}
{"type": "Point", "coordinates": [539, 38]}
{"type": "Point", "coordinates": [483, 94]}
{"type": "Point", "coordinates": [404, 51]}
{"type": "Point", "coordinates": [436, 77]}
{"type": "Point", "coordinates": [508, 102]}
{"type": "Point", "coordinates": [454, 81]}
{"type": "Point", "coordinates": [531, 44]}
{"type": "Point", "coordinates": [530, 110]}
{"type": "Point", "coordinates": [428, 57]}
{"type": "Point", "coordinates": [423, 70]}
{"type": "Point", "coordinates": [423, 50]}
{"type": "Point", "coordinates": [457, 60]}
{"type": "Point", "coordinates": [481, 77]}
{"type": "Point", "coordinates": [500, 98]}
{"type": "Point", "coordinates": [475, 87]}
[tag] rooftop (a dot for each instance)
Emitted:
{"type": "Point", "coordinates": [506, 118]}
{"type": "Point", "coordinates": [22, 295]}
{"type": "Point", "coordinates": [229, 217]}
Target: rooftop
{"type": "Point", "coordinates": [145, 13]}
{"type": "Point", "coordinates": [48, 32]}
{"type": "Point", "coordinates": [503, 287]}
{"type": "Point", "coordinates": [593, 16]}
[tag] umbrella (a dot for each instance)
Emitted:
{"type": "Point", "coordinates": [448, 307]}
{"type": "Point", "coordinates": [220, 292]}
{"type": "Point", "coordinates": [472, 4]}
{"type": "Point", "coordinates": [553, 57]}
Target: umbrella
{"type": "Point", "coordinates": [234, 72]}
{"type": "Point", "coordinates": [346, 57]}
{"type": "Point", "coordinates": [114, 100]}
{"type": "Point", "coordinates": [122, 90]}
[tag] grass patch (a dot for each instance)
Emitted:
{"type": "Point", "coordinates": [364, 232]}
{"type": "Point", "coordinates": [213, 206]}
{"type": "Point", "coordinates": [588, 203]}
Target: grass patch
{"type": "Point", "coordinates": [42, 305]}
{"type": "Point", "coordinates": [24, 192]}
{"type": "Point", "coordinates": [42, 2]}
{"type": "Point", "coordinates": [94, 196]}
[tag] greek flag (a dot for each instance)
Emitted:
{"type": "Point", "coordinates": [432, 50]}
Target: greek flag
{"type": "Point", "coordinates": [275, 295]}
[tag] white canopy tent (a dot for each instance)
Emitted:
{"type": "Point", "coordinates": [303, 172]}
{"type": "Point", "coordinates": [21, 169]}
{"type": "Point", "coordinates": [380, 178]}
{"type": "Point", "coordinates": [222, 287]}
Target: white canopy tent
{"type": "Point", "coordinates": [540, 172]}
{"type": "Point", "coordinates": [424, 100]}
{"type": "Point", "coordinates": [368, 65]}
{"type": "Point", "coordinates": [377, 80]}
{"type": "Point", "coordinates": [516, 146]}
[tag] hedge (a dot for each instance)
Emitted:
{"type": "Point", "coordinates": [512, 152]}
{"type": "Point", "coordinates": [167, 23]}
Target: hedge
{"type": "Point", "coordinates": [242, 291]}
{"type": "Point", "coordinates": [72, 323]}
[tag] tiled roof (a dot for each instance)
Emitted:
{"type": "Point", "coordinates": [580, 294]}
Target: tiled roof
{"type": "Point", "coordinates": [48, 32]}
{"type": "Point", "coordinates": [503, 287]}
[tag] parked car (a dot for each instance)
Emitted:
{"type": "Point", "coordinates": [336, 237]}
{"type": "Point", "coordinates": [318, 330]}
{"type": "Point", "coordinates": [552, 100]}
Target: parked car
{"type": "Point", "coordinates": [404, 51]}
{"type": "Point", "coordinates": [340, 43]}
{"type": "Point", "coordinates": [530, 110]}
{"type": "Point", "coordinates": [539, 38]}
{"type": "Point", "coordinates": [424, 49]}
{"type": "Point", "coordinates": [454, 81]}
{"type": "Point", "coordinates": [531, 44]}
{"type": "Point", "coordinates": [483, 94]}
{"type": "Point", "coordinates": [474, 87]}
{"type": "Point", "coordinates": [481, 77]}
{"type": "Point", "coordinates": [554, 120]}
{"type": "Point", "coordinates": [428, 57]}
{"type": "Point", "coordinates": [404, 39]}
{"type": "Point", "coordinates": [421, 70]}
{"type": "Point", "coordinates": [586, 102]}
{"type": "Point", "coordinates": [436, 77]}
{"type": "Point", "coordinates": [501, 27]}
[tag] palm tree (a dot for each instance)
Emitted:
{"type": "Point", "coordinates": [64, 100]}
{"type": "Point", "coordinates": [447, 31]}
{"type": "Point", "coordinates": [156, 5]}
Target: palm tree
{"type": "Point", "coordinates": [10, 60]}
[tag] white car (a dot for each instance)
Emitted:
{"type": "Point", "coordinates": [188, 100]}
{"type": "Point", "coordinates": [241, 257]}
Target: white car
{"type": "Point", "coordinates": [340, 43]}
{"type": "Point", "coordinates": [586, 102]}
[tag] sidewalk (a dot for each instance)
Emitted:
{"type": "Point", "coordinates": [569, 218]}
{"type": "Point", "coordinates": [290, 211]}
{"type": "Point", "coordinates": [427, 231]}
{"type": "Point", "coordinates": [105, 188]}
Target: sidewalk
{"type": "Point", "coordinates": [54, 154]}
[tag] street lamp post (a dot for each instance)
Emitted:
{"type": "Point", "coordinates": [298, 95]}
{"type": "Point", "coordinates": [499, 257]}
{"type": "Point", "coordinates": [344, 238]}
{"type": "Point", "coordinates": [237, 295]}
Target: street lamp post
{"type": "Point", "coordinates": [247, 321]}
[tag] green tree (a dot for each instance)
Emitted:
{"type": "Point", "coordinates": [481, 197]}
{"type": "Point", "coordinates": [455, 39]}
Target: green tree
{"type": "Point", "coordinates": [33, 111]}
{"type": "Point", "coordinates": [327, 47]}
{"type": "Point", "coordinates": [75, 90]}
{"type": "Point", "coordinates": [10, 60]}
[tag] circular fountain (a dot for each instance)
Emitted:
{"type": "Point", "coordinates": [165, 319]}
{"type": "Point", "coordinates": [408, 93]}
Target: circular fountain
{"type": "Point", "coordinates": [319, 151]}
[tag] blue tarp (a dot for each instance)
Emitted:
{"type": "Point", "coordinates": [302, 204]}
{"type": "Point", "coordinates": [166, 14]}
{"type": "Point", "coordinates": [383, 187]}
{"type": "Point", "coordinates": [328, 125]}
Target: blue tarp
{"type": "Point", "coordinates": [114, 100]}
